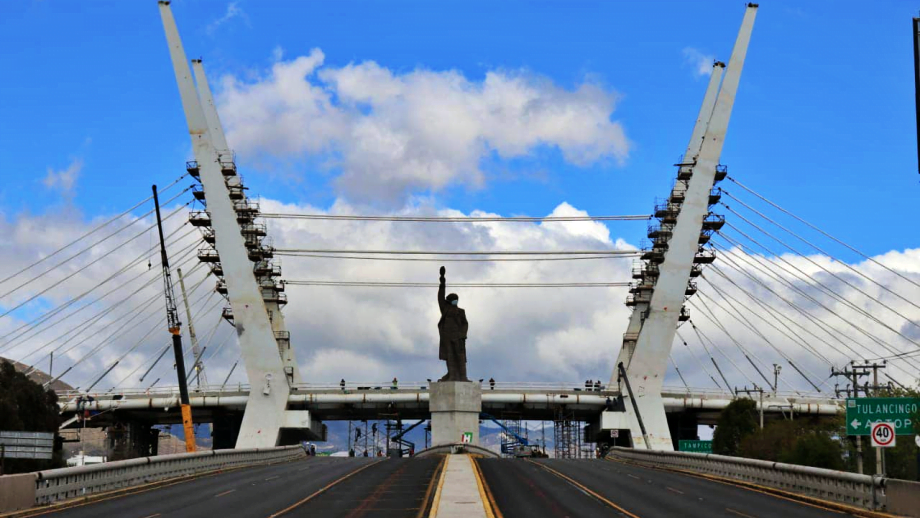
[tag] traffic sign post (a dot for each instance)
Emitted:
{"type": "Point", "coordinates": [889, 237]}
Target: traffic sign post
{"type": "Point", "coordinates": [883, 435]}
{"type": "Point", "coordinates": [862, 413]}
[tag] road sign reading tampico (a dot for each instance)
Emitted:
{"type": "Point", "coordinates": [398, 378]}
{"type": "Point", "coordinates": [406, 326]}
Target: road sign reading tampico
{"type": "Point", "coordinates": [695, 446]}
{"type": "Point", "coordinates": [862, 413]}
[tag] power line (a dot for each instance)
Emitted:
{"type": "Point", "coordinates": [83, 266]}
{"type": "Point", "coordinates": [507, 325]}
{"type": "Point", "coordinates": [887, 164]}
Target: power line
{"type": "Point", "coordinates": [377, 284]}
{"type": "Point", "coordinates": [467, 260]}
{"type": "Point", "coordinates": [455, 219]}
{"type": "Point", "coordinates": [289, 251]}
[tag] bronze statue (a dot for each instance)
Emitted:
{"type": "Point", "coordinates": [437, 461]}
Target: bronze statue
{"type": "Point", "coordinates": [452, 329]}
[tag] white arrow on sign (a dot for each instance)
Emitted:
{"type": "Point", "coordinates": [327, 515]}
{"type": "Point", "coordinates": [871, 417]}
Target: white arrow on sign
{"type": "Point", "coordinates": [855, 423]}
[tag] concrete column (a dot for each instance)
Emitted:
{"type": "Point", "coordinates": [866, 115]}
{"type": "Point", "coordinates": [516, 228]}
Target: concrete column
{"type": "Point", "coordinates": [455, 408]}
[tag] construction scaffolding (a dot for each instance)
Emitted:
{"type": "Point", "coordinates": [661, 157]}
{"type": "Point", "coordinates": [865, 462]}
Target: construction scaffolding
{"type": "Point", "coordinates": [509, 437]}
{"type": "Point", "coordinates": [569, 437]}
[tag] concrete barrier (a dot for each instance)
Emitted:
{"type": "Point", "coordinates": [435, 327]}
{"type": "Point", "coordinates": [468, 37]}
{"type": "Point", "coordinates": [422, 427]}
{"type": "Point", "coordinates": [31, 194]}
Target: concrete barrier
{"type": "Point", "coordinates": [17, 492]}
{"type": "Point", "coordinates": [447, 449]}
{"type": "Point", "coordinates": [55, 485]}
{"type": "Point", "coordinates": [843, 487]}
{"type": "Point", "coordinates": [903, 497]}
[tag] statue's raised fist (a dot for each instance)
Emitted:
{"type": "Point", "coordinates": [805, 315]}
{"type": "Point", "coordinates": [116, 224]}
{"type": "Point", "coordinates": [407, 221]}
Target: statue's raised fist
{"type": "Point", "coordinates": [443, 271]}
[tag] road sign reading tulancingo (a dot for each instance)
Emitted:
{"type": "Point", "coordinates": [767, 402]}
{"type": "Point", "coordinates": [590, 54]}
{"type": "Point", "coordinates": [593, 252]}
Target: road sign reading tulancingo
{"type": "Point", "coordinates": [862, 413]}
{"type": "Point", "coordinates": [695, 446]}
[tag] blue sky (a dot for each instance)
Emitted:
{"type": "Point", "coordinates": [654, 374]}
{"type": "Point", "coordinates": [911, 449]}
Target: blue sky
{"type": "Point", "coordinates": [824, 121]}
{"type": "Point", "coordinates": [512, 107]}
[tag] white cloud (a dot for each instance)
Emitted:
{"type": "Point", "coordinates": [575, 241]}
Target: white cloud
{"type": "Point", "coordinates": [391, 134]}
{"type": "Point", "coordinates": [64, 180]}
{"type": "Point", "coordinates": [374, 334]}
{"type": "Point", "coordinates": [700, 63]}
{"type": "Point", "coordinates": [233, 11]}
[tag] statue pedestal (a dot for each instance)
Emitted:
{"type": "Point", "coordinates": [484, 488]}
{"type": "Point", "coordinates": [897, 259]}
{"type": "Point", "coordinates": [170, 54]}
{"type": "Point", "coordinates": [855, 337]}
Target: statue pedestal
{"type": "Point", "coordinates": [455, 408]}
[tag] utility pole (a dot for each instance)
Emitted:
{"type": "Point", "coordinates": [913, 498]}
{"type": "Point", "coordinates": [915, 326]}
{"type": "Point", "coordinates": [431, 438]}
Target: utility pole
{"type": "Point", "coordinates": [172, 320]}
{"type": "Point", "coordinates": [776, 369]}
{"type": "Point", "coordinates": [879, 452]}
{"type": "Point", "coordinates": [748, 391]}
{"type": "Point", "coordinates": [852, 374]}
{"type": "Point", "coordinates": [196, 352]}
{"type": "Point", "coordinates": [917, 82]}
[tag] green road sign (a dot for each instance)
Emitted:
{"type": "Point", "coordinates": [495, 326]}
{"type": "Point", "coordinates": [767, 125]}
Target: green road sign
{"type": "Point", "coordinates": [900, 411]}
{"type": "Point", "coordinates": [695, 446]}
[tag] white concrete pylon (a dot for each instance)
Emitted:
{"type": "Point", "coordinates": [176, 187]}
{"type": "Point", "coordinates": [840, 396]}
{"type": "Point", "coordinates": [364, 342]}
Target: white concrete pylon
{"type": "Point", "coordinates": [265, 413]}
{"type": "Point", "coordinates": [693, 148]}
{"type": "Point", "coordinates": [646, 365]}
{"type": "Point", "coordinates": [216, 129]}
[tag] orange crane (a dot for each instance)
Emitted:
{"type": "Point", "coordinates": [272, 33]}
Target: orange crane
{"type": "Point", "coordinates": [174, 325]}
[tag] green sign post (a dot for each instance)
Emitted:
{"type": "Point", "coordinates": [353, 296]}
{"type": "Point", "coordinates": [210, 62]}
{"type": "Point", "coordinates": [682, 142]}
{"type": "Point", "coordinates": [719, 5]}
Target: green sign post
{"type": "Point", "coordinates": [695, 446]}
{"type": "Point", "coordinates": [863, 412]}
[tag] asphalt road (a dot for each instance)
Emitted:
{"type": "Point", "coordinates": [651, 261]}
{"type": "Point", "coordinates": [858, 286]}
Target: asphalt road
{"type": "Point", "coordinates": [524, 489]}
{"type": "Point", "coordinates": [395, 488]}
{"type": "Point", "coordinates": [257, 491]}
{"type": "Point", "coordinates": [521, 490]}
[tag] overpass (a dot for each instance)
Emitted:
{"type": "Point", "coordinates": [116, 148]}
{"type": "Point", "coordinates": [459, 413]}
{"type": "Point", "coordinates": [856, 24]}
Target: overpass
{"type": "Point", "coordinates": [410, 401]}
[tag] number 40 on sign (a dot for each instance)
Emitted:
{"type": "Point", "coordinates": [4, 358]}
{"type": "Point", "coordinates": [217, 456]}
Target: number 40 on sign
{"type": "Point", "coordinates": [883, 435]}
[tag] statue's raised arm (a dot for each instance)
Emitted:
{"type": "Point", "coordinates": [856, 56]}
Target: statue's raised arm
{"type": "Point", "coordinates": [442, 302]}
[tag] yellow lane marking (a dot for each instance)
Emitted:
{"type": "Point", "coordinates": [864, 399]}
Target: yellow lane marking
{"type": "Point", "coordinates": [321, 491]}
{"type": "Point", "coordinates": [431, 486]}
{"type": "Point", "coordinates": [437, 494]}
{"type": "Point", "coordinates": [224, 493]}
{"type": "Point", "coordinates": [583, 488]}
{"type": "Point", "coordinates": [679, 492]}
{"type": "Point", "coordinates": [485, 494]}
{"type": "Point", "coordinates": [809, 501]}
{"type": "Point", "coordinates": [739, 513]}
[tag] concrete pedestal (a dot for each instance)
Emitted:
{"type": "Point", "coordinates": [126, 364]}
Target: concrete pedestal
{"type": "Point", "coordinates": [455, 408]}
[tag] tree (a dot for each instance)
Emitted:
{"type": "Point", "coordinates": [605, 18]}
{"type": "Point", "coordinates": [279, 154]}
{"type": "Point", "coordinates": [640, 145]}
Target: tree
{"type": "Point", "coordinates": [816, 449]}
{"type": "Point", "coordinates": [738, 420]}
{"type": "Point", "coordinates": [25, 406]}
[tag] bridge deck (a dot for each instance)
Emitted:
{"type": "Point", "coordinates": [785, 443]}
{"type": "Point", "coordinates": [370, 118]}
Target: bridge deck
{"type": "Point", "coordinates": [533, 401]}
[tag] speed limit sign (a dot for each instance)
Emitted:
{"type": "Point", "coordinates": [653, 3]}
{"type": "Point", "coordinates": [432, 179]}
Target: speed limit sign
{"type": "Point", "coordinates": [883, 435]}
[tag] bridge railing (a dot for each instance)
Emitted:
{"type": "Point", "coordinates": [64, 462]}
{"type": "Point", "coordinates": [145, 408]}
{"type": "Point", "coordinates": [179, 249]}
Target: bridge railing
{"type": "Point", "coordinates": [380, 386]}
{"type": "Point", "coordinates": [824, 484]}
{"type": "Point", "coordinates": [65, 483]}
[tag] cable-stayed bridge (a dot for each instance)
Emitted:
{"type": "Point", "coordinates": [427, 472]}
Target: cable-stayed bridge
{"type": "Point", "coordinates": [730, 289]}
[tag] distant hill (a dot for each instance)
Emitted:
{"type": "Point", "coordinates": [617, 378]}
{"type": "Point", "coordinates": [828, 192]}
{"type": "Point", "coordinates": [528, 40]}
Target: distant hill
{"type": "Point", "coordinates": [38, 376]}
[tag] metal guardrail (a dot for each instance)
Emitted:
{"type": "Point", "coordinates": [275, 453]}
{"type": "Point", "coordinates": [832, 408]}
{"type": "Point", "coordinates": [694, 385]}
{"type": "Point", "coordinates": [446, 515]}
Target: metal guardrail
{"type": "Point", "coordinates": [825, 484]}
{"type": "Point", "coordinates": [65, 483]}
